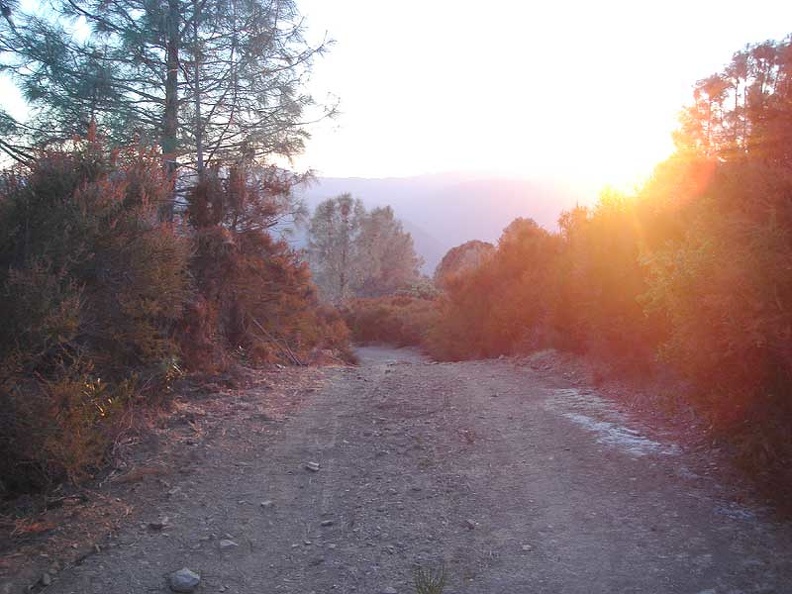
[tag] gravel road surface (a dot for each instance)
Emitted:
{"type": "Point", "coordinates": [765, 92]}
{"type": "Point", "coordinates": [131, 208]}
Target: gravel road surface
{"type": "Point", "coordinates": [514, 479]}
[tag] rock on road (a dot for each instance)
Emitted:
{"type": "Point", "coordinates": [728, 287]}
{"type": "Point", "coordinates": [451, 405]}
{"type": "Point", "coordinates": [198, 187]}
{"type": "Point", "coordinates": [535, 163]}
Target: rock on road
{"type": "Point", "coordinates": [514, 480]}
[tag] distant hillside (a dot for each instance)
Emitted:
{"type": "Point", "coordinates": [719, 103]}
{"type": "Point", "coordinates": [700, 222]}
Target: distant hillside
{"type": "Point", "coordinates": [443, 211]}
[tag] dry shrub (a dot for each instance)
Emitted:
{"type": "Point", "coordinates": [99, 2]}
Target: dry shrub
{"type": "Point", "coordinates": [197, 337]}
{"type": "Point", "coordinates": [256, 301]}
{"type": "Point", "coordinates": [91, 285]}
{"type": "Point", "coordinates": [60, 427]}
{"type": "Point", "coordinates": [399, 320]}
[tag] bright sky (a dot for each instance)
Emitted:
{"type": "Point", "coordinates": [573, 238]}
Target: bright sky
{"type": "Point", "coordinates": [582, 90]}
{"type": "Point", "coordinates": [588, 91]}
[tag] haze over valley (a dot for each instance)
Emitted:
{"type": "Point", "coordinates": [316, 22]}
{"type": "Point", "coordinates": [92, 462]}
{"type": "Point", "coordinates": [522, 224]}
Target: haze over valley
{"type": "Point", "coordinates": [445, 210]}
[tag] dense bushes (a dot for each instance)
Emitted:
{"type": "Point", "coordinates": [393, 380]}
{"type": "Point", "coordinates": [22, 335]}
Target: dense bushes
{"type": "Point", "coordinates": [91, 286]}
{"type": "Point", "coordinates": [500, 304]}
{"type": "Point", "coordinates": [725, 290]}
{"type": "Point", "coordinates": [691, 273]}
{"type": "Point", "coordinates": [254, 294]}
{"type": "Point", "coordinates": [103, 304]}
{"type": "Point", "coordinates": [400, 320]}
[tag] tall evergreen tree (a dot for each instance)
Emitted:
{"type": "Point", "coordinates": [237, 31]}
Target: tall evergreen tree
{"type": "Point", "coordinates": [206, 79]}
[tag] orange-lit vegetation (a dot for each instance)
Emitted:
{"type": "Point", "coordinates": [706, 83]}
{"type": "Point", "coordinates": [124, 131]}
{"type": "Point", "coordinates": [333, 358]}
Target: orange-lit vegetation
{"type": "Point", "coordinates": [91, 287]}
{"type": "Point", "coordinates": [401, 320]}
{"type": "Point", "coordinates": [108, 288]}
{"type": "Point", "coordinates": [694, 272]}
{"type": "Point", "coordinates": [103, 305]}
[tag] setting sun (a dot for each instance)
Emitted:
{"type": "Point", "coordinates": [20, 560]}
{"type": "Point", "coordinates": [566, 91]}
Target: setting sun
{"type": "Point", "coordinates": [586, 92]}
{"type": "Point", "coordinates": [395, 296]}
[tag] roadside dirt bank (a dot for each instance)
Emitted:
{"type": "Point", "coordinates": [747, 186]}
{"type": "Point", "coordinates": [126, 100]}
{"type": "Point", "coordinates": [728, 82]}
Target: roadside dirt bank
{"type": "Point", "coordinates": [515, 476]}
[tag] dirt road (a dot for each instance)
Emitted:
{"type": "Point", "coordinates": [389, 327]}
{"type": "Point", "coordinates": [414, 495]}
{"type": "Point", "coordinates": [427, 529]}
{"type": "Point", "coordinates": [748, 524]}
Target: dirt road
{"type": "Point", "coordinates": [516, 480]}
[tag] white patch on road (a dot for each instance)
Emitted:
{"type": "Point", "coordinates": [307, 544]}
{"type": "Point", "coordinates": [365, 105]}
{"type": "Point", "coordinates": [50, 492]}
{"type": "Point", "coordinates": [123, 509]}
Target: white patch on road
{"type": "Point", "coordinates": [587, 409]}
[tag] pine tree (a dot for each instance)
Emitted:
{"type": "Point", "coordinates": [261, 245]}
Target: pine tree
{"type": "Point", "coordinates": [205, 79]}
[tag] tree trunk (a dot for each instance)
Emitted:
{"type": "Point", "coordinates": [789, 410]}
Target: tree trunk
{"type": "Point", "coordinates": [198, 56]}
{"type": "Point", "coordinates": [170, 127]}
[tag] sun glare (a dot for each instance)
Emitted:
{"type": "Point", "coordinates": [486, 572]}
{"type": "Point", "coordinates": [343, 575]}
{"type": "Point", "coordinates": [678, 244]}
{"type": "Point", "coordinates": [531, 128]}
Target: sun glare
{"type": "Point", "coordinates": [625, 167]}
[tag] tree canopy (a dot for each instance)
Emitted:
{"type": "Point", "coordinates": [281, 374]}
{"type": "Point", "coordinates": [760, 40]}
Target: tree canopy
{"type": "Point", "coordinates": [358, 253]}
{"type": "Point", "coordinates": [746, 108]}
{"type": "Point", "coordinates": [205, 79]}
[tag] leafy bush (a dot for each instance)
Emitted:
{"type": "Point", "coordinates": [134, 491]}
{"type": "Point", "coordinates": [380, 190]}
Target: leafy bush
{"type": "Point", "coordinates": [91, 286]}
{"type": "Point", "coordinates": [398, 320]}
{"type": "Point", "coordinates": [726, 292]}
{"type": "Point", "coordinates": [500, 305]}
{"type": "Point", "coordinates": [254, 297]}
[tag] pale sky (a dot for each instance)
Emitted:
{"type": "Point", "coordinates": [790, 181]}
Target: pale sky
{"type": "Point", "coordinates": [588, 91]}
{"type": "Point", "coordinates": [584, 91]}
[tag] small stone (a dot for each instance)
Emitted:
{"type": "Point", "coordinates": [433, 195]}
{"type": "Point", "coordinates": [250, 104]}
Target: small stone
{"type": "Point", "coordinates": [227, 544]}
{"type": "Point", "coordinates": [267, 503]}
{"type": "Point", "coordinates": [312, 466]}
{"type": "Point", "coordinates": [527, 548]}
{"type": "Point", "coordinates": [316, 561]}
{"type": "Point", "coordinates": [159, 524]}
{"type": "Point", "coordinates": [184, 580]}
{"type": "Point", "coordinates": [327, 523]}
{"type": "Point", "coordinates": [331, 547]}
{"type": "Point", "coordinates": [45, 579]}
{"type": "Point", "coordinates": [470, 524]}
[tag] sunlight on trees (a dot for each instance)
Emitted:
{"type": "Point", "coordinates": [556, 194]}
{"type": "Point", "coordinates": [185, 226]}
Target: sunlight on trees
{"type": "Point", "coordinates": [691, 274]}
{"type": "Point", "coordinates": [105, 301]}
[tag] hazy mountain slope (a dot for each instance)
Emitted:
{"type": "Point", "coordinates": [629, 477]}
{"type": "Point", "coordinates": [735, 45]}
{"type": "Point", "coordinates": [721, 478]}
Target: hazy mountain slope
{"type": "Point", "coordinates": [443, 211]}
